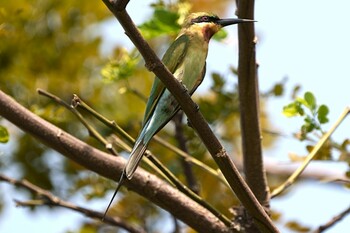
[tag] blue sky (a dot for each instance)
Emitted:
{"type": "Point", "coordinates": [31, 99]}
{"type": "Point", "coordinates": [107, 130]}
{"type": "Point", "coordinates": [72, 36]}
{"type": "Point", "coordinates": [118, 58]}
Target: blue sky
{"type": "Point", "coordinates": [306, 41]}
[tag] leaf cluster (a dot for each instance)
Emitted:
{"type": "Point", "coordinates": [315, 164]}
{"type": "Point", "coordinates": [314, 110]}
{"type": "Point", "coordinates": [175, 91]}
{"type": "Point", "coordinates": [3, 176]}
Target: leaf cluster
{"type": "Point", "coordinates": [167, 20]}
{"type": "Point", "coordinates": [47, 44]}
{"type": "Point", "coordinates": [314, 115]}
{"type": "Point", "coordinates": [163, 22]}
{"type": "Point", "coordinates": [122, 66]}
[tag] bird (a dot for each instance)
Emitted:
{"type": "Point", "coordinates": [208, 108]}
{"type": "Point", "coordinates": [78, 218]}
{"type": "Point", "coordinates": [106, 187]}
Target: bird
{"type": "Point", "coordinates": [186, 60]}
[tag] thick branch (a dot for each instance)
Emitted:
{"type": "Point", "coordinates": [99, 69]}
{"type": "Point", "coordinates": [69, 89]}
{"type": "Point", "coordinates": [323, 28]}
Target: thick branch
{"type": "Point", "coordinates": [197, 120]}
{"type": "Point", "coordinates": [143, 183]}
{"type": "Point", "coordinates": [249, 106]}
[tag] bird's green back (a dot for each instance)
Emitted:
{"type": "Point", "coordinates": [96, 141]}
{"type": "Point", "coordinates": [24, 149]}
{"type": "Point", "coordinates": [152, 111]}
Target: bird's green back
{"type": "Point", "coordinates": [171, 59]}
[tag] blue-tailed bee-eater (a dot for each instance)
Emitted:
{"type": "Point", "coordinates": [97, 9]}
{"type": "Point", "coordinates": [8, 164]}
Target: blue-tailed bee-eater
{"type": "Point", "coordinates": [186, 60]}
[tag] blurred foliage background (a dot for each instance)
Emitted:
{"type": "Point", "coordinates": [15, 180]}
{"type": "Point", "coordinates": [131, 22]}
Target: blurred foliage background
{"type": "Point", "coordinates": [53, 45]}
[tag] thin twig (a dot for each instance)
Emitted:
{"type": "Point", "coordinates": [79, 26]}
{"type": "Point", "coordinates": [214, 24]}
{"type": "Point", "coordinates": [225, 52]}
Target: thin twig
{"type": "Point", "coordinates": [151, 160]}
{"type": "Point", "coordinates": [333, 221]}
{"type": "Point", "coordinates": [158, 166]}
{"type": "Point", "coordinates": [77, 101]}
{"type": "Point", "coordinates": [311, 155]}
{"type": "Point", "coordinates": [184, 154]}
{"type": "Point", "coordinates": [338, 180]}
{"type": "Point", "coordinates": [92, 131]}
{"type": "Point", "coordinates": [190, 193]}
{"type": "Point", "coordinates": [155, 163]}
{"type": "Point", "coordinates": [118, 130]}
{"type": "Point", "coordinates": [187, 157]}
{"type": "Point", "coordinates": [48, 199]}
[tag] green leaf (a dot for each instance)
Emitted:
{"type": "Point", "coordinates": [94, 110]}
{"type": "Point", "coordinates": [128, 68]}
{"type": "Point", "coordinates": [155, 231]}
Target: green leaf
{"type": "Point", "coordinates": [310, 100]}
{"type": "Point", "coordinates": [234, 70]}
{"type": "Point", "coordinates": [293, 109]}
{"type": "Point", "coordinates": [325, 153]}
{"type": "Point", "coordinates": [309, 125]}
{"type": "Point", "coordinates": [121, 67]}
{"type": "Point", "coordinates": [296, 226]}
{"type": "Point", "coordinates": [347, 173]}
{"type": "Point", "coordinates": [4, 134]}
{"type": "Point", "coordinates": [162, 22]}
{"type": "Point", "coordinates": [278, 89]}
{"type": "Point", "coordinates": [218, 82]}
{"type": "Point", "coordinates": [301, 101]}
{"type": "Point", "coordinates": [322, 114]}
{"type": "Point", "coordinates": [290, 110]}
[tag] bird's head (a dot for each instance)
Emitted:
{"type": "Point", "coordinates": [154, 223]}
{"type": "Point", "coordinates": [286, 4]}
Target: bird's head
{"type": "Point", "coordinates": [206, 24]}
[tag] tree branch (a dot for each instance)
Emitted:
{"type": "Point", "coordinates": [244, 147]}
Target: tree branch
{"type": "Point", "coordinates": [197, 120]}
{"type": "Point", "coordinates": [186, 165]}
{"type": "Point", "coordinates": [47, 198]}
{"type": "Point", "coordinates": [333, 221]}
{"type": "Point", "coordinates": [311, 155]}
{"type": "Point", "coordinates": [143, 183]}
{"type": "Point", "coordinates": [248, 87]}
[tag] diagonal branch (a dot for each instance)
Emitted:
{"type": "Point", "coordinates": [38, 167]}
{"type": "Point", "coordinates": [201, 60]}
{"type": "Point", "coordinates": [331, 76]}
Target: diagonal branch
{"type": "Point", "coordinates": [333, 221]}
{"type": "Point", "coordinates": [219, 154]}
{"type": "Point", "coordinates": [291, 180]}
{"type": "Point", "coordinates": [47, 198]}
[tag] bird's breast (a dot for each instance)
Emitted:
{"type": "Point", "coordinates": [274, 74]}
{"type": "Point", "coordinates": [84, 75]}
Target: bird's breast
{"type": "Point", "coordinates": [193, 64]}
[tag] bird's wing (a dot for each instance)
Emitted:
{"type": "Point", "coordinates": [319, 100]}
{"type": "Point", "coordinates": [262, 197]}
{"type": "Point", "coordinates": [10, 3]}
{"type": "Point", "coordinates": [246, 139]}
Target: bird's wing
{"type": "Point", "coordinates": [171, 59]}
{"type": "Point", "coordinates": [199, 80]}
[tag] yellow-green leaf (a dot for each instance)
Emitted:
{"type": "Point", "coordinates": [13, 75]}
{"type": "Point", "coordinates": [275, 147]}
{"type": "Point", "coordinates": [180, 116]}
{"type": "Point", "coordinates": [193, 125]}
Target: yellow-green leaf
{"type": "Point", "coordinates": [4, 134]}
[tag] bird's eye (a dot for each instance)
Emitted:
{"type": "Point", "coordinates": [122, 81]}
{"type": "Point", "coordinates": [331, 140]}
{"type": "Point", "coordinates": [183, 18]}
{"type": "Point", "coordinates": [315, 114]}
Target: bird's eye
{"type": "Point", "coordinates": [205, 18]}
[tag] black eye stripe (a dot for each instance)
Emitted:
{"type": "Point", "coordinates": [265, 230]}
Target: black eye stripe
{"type": "Point", "coordinates": [202, 19]}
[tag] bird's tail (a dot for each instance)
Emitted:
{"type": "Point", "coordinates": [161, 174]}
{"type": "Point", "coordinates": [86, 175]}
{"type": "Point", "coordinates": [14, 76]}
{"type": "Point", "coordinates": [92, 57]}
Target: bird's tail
{"type": "Point", "coordinates": [133, 161]}
{"type": "Point", "coordinates": [135, 157]}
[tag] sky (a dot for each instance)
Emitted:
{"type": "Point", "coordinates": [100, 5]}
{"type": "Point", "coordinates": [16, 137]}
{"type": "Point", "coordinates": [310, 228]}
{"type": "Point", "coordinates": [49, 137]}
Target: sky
{"type": "Point", "coordinates": [305, 41]}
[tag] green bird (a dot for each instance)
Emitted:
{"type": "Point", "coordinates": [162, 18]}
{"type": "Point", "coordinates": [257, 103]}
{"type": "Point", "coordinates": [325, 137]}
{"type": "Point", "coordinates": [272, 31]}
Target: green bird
{"type": "Point", "coordinates": [186, 60]}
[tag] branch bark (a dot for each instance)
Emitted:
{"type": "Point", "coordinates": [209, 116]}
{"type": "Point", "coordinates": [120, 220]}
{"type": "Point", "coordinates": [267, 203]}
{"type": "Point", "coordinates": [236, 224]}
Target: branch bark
{"type": "Point", "coordinates": [249, 106]}
{"type": "Point", "coordinates": [143, 183]}
{"type": "Point", "coordinates": [186, 165]}
{"type": "Point", "coordinates": [219, 154]}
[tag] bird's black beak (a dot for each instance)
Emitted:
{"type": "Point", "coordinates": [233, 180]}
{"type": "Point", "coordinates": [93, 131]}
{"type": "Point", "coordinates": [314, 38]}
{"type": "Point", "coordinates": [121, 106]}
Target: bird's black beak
{"type": "Point", "coordinates": [226, 22]}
